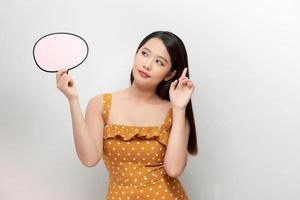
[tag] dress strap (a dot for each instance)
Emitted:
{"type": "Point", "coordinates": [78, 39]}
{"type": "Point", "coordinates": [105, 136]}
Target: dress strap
{"type": "Point", "coordinates": [106, 106]}
{"type": "Point", "coordinates": [168, 120]}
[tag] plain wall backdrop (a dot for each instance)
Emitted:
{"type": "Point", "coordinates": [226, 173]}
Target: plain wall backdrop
{"type": "Point", "coordinates": [243, 60]}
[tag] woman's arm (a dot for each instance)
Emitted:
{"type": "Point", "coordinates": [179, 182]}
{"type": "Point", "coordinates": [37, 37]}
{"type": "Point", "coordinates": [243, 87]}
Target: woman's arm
{"type": "Point", "coordinates": [176, 154]}
{"type": "Point", "coordinates": [88, 132]}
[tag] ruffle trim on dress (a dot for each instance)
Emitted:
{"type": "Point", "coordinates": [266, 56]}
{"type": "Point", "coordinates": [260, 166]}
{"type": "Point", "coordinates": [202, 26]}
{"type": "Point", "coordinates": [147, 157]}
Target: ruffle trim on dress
{"type": "Point", "coordinates": [126, 132]}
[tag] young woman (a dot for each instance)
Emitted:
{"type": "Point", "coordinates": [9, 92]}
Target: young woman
{"type": "Point", "coordinates": [144, 132]}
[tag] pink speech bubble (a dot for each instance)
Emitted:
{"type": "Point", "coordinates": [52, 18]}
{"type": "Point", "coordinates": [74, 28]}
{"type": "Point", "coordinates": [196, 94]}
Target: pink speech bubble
{"type": "Point", "coordinates": [55, 51]}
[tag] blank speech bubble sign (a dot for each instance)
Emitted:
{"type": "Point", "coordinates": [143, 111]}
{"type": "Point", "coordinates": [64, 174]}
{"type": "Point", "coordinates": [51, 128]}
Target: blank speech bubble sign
{"type": "Point", "coordinates": [55, 51]}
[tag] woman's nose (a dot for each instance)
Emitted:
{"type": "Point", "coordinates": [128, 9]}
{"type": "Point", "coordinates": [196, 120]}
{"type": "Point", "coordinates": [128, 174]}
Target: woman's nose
{"type": "Point", "coordinates": [148, 64]}
{"type": "Point", "coordinates": [147, 67]}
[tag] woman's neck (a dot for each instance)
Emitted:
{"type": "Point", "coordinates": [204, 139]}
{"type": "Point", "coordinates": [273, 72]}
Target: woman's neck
{"type": "Point", "coordinates": [142, 95]}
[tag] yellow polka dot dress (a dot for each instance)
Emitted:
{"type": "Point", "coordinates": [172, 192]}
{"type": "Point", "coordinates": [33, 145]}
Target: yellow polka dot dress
{"type": "Point", "coordinates": [133, 156]}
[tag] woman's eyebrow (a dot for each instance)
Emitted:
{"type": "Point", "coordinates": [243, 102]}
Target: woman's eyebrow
{"type": "Point", "coordinates": [158, 56]}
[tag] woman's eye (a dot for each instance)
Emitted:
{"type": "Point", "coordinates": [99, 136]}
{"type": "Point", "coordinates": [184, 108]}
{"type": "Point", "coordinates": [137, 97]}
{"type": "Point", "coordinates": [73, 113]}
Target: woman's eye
{"type": "Point", "coordinates": [143, 53]}
{"type": "Point", "coordinates": [160, 62]}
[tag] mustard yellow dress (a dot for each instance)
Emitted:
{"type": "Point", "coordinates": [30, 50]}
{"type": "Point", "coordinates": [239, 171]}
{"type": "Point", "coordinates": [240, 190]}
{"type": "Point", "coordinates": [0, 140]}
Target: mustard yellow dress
{"type": "Point", "coordinates": [133, 156]}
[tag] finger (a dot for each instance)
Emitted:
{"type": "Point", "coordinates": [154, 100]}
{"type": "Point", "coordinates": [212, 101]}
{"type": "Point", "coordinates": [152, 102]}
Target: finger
{"type": "Point", "coordinates": [173, 85]}
{"type": "Point", "coordinates": [60, 73]}
{"type": "Point", "coordinates": [184, 72]}
{"type": "Point", "coordinates": [182, 79]}
{"type": "Point", "coordinates": [63, 79]}
{"type": "Point", "coordinates": [191, 85]}
{"type": "Point", "coordinates": [184, 82]}
{"type": "Point", "coordinates": [63, 70]}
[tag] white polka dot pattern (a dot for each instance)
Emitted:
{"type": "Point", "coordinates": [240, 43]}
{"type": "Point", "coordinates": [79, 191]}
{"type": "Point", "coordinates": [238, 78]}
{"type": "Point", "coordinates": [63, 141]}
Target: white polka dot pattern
{"type": "Point", "coordinates": [133, 156]}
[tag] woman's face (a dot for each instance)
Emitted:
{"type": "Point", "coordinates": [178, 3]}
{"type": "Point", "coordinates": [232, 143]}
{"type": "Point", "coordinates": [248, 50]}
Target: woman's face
{"type": "Point", "coordinates": [153, 59]}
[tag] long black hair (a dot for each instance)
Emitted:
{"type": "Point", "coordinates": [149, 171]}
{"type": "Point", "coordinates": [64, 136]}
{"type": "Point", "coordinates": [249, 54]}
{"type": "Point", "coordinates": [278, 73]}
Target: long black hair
{"type": "Point", "coordinates": [179, 60]}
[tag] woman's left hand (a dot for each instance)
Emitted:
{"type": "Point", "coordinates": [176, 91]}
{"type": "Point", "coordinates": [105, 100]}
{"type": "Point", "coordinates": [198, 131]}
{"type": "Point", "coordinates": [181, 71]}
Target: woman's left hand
{"type": "Point", "coordinates": [180, 96]}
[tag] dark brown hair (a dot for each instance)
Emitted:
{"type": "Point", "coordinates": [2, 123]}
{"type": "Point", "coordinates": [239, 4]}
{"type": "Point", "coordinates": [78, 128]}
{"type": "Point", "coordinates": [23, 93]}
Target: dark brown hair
{"type": "Point", "coordinates": [179, 60]}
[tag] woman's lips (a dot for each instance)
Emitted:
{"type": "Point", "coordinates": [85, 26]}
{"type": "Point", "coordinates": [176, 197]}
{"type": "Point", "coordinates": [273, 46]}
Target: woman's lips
{"type": "Point", "coordinates": [143, 74]}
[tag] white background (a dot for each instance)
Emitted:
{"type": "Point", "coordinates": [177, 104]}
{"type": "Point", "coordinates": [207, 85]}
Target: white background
{"type": "Point", "coordinates": [244, 61]}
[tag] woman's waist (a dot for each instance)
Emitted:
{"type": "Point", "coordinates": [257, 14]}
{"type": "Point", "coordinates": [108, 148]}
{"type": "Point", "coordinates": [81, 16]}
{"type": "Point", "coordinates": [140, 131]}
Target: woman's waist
{"type": "Point", "coordinates": [137, 182]}
{"type": "Point", "coordinates": [138, 175]}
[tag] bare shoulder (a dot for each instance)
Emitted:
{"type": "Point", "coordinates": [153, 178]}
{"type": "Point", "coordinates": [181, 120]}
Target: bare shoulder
{"type": "Point", "coordinates": [97, 101]}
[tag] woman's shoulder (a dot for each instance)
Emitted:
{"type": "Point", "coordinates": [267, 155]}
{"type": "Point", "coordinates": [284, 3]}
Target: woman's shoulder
{"type": "Point", "coordinates": [98, 98]}
{"type": "Point", "coordinates": [123, 95]}
{"type": "Point", "coordinates": [101, 94]}
{"type": "Point", "coordinates": [114, 94]}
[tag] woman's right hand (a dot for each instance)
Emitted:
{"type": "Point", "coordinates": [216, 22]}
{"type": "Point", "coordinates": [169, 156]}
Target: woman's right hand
{"type": "Point", "coordinates": [65, 83]}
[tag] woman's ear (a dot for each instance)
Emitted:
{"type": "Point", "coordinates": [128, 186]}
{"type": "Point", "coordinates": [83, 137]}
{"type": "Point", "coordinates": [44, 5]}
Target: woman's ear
{"type": "Point", "coordinates": [170, 75]}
